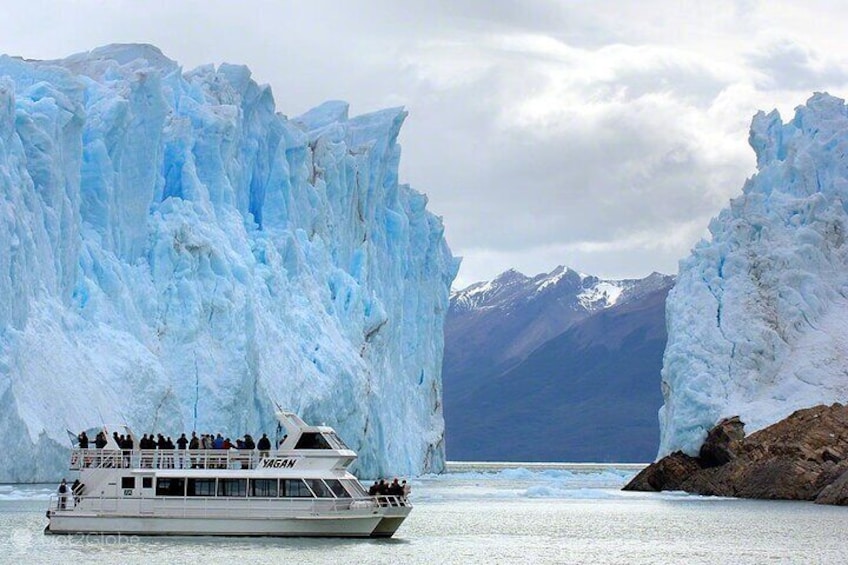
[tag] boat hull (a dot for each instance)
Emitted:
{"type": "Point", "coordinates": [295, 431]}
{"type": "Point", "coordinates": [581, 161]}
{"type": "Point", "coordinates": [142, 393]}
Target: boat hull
{"type": "Point", "coordinates": [387, 527]}
{"type": "Point", "coordinates": [356, 527]}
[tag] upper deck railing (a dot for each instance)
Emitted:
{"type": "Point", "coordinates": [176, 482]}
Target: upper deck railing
{"type": "Point", "coordinates": [172, 458]}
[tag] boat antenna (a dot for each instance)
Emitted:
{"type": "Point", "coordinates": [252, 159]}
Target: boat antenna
{"type": "Point", "coordinates": [126, 423]}
{"type": "Point", "coordinates": [279, 409]}
{"type": "Point", "coordinates": [279, 434]}
{"type": "Point", "coordinates": [196, 389]}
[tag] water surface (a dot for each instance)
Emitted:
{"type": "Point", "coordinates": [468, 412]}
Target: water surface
{"type": "Point", "coordinates": [488, 513]}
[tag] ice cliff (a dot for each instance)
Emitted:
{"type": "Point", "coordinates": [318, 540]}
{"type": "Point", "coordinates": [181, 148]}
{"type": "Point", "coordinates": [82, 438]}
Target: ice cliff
{"type": "Point", "coordinates": [177, 255]}
{"type": "Point", "coordinates": [757, 322]}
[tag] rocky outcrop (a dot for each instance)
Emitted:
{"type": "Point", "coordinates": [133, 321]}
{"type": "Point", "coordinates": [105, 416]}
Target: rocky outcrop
{"type": "Point", "coordinates": [666, 474]}
{"type": "Point", "coordinates": [723, 443]}
{"type": "Point", "coordinates": [803, 457]}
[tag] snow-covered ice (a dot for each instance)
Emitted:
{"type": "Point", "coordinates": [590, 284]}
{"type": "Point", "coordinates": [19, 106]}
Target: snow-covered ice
{"type": "Point", "coordinates": [757, 319]}
{"type": "Point", "coordinates": [176, 255]}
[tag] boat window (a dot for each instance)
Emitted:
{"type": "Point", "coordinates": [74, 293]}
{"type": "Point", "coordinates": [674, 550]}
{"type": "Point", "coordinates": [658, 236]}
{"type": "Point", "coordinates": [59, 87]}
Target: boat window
{"type": "Point", "coordinates": [232, 487]}
{"type": "Point", "coordinates": [170, 487]}
{"type": "Point", "coordinates": [312, 440]}
{"type": "Point", "coordinates": [147, 482]}
{"type": "Point", "coordinates": [200, 487]}
{"type": "Point", "coordinates": [294, 488]}
{"type": "Point", "coordinates": [355, 488]}
{"type": "Point", "coordinates": [319, 488]}
{"type": "Point", "coordinates": [127, 482]}
{"type": "Point", "coordinates": [336, 441]}
{"type": "Point", "coordinates": [263, 487]}
{"type": "Point", "coordinates": [337, 488]}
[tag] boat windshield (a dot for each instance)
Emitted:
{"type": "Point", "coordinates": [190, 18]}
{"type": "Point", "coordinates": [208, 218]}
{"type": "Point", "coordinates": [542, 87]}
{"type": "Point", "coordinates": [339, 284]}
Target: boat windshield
{"type": "Point", "coordinates": [325, 440]}
{"type": "Point", "coordinates": [312, 440]}
{"type": "Point", "coordinates": [336, 441]}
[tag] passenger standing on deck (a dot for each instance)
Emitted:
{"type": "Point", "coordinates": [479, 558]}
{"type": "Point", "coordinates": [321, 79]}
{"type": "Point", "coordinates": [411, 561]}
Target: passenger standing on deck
{"type": "Point", "coordinates": [144, 445]}
{"type": "Point", "coordinates": [127, 446]}
{"type": "Point", "coordinates": [193, 445]}
{"type": "Point", "coordinates": [83, 441]}
{"type": "Point", "coordinates": [169, 445]}
{"type": "Point", "coordinates": [160, 446]}
{"type": "Point", "coordinates": [182, 443]}
{"type": "Point", "coordinates": [264, 446]}
{"type": "Point", "coordinates": [63, 494]}
{"type": "Point", "coordinates": [395, 488]}
{"type": "Point", "coordinates": [122, 445]}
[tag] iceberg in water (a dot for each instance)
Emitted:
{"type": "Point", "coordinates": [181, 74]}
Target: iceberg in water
{"type": "Point", "coordinates": [757, 320]}
{"type": "Point", "coordinates": [176, 255]}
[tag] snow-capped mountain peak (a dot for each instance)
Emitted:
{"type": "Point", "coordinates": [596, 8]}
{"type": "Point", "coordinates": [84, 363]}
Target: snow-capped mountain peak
{"type": "Point", "coordinates": [602, 294]}
{"type": "Point", "coordinates": [512, 289]}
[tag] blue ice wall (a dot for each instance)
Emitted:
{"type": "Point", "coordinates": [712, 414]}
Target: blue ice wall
{"type": "Point", "coordinates": [756, 320]}
{"type": "Point", "coordinates": [177, 255]}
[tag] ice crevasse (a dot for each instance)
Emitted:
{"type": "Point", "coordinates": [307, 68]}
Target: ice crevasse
{"type": "Point", "coordinates": [758, 319]}
{"type": "Point", "coordinates": [176, 255]}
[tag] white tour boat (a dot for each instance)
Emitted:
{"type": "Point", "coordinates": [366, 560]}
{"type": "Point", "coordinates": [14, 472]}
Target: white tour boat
{"type": "Point", "coordinates": [302, 488]}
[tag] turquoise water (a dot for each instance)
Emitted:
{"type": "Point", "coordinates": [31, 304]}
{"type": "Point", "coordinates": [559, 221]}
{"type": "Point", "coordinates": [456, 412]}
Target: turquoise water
{"type": "Point", "coordinates": [488, 514]}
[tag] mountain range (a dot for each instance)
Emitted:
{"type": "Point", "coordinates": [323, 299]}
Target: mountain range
{"type": "Point", "coordinates": [561, 366]}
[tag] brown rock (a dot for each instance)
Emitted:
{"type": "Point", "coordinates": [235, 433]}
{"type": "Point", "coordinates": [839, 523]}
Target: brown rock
{"type": "Point", "coordinates": [711, 481]}
{"type": "Point", "coordinates": [836, 492]}
{"type": "Point", "coordinates": [723, 442]}
{"type": "Point", "coordinates": [802, 457]}
{"type": "Point", "coordinates": [666, 474]}
{"type": "Point", "coordinates": [830, 474]}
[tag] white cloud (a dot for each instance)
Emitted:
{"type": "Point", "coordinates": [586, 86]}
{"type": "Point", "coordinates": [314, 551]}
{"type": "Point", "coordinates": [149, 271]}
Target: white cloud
{"type": "Point", "coordinates": [602, 135]}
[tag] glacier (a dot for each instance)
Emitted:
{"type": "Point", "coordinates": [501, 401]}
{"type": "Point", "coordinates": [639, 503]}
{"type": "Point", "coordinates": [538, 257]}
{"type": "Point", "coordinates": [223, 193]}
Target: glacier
{"type": "Point", "coordinates": [757, 319]}
{"type": "Point", "coordinates": [177, 255]}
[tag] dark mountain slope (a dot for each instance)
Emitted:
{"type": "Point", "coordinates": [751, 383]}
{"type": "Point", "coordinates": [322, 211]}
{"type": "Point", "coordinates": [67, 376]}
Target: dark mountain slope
{"type": "Point", "coordinates": [589, 394]}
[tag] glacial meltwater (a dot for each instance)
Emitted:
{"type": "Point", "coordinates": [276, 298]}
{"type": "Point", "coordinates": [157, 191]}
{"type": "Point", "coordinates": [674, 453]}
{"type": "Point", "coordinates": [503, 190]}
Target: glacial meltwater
{"type": "Point", "coordinates": [487, 513]}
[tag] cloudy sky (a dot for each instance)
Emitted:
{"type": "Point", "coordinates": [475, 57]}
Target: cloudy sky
{"type": "Point", "coordinates": [600, 135]}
